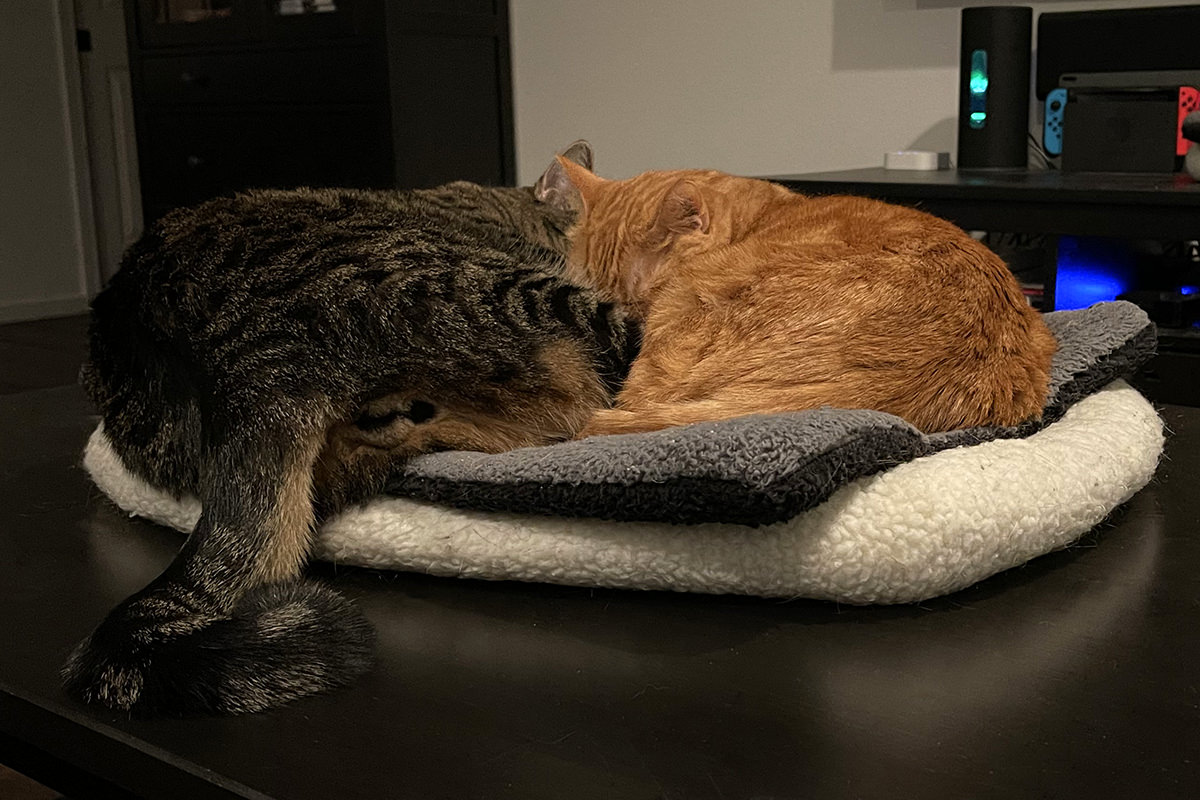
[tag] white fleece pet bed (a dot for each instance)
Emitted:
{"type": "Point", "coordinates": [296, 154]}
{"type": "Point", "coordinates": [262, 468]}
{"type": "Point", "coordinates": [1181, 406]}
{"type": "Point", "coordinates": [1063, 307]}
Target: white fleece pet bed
{"type": "Point", "coordinates": [958, 509]}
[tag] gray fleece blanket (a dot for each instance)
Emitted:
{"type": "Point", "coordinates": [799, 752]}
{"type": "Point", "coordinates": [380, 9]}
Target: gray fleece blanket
{"type": "Point", "coordinates": [757, 469]}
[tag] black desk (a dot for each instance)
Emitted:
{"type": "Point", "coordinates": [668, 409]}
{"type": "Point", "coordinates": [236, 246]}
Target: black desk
{"type": "Point", "coordinates": [1075, 676]}
{"type": "Point", "coordinates": [1025, 201]}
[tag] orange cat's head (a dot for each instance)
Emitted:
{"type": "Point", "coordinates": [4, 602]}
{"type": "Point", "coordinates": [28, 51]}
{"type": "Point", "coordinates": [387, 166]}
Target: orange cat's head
{"type": "Point", "coordinates": [627, 229]}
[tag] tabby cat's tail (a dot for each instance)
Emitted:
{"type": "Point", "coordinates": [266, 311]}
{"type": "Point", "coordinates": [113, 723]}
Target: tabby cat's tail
{"type": "Point", "coordinates": [282, 642]}
{"type": "Point", "coordinates": [228, 627]}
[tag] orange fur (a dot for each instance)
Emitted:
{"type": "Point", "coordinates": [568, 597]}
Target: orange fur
{"type": "Point", "coordinates": [756, 299]}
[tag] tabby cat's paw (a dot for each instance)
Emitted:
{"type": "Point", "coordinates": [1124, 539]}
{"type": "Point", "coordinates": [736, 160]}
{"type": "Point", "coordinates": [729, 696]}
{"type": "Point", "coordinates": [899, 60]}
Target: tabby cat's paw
{"type": "Point", "coordinates": [94, 677]}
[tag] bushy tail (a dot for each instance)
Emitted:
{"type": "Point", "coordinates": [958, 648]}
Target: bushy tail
{"type": "Point", "coordinates": [228, 627]}
{"type": "Point", "coordinates": [280, 643]}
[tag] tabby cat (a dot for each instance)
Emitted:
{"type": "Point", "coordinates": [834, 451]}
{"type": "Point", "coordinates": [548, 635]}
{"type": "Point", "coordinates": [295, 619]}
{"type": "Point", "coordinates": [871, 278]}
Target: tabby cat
{"type": "Point", "coordinates": [278, 354]}
{"type": "Point", "coordinates": [756, 299]}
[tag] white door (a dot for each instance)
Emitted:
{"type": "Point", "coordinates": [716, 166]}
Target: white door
{"type": "Point", "coordinates": [112, 148]}
{"type": "Point", "coordinates": [47, 238]}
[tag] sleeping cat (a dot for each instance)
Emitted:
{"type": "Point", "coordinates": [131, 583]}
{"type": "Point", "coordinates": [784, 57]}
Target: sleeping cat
{"type": "Point", "coordinates": [756, 299]}
{"type": "Point", "coordinates": [278, 354]}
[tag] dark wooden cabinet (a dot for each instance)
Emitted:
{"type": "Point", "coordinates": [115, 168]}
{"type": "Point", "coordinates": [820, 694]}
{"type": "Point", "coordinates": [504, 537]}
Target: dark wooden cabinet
{"type": "Point", "coordinates": [234, 94]}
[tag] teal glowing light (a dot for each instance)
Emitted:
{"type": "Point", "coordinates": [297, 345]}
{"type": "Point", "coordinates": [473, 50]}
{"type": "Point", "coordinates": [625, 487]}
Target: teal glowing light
{"type": "Point", "coordinates": [978, 85]}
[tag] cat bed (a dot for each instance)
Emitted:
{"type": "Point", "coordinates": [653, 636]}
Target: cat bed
{"type": "Point", "coordinates": [846, 505]}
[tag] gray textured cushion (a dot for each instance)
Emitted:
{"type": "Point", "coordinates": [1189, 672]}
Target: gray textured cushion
{"type": "Point", "coordinates": [756, 469]}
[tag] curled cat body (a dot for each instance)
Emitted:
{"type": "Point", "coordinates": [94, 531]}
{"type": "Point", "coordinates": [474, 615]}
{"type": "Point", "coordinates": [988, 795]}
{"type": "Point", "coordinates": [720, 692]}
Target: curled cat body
{"type": "Point", "coordinates": [278, 354]}
{"type": "Point", "coordinates": [756, 299]}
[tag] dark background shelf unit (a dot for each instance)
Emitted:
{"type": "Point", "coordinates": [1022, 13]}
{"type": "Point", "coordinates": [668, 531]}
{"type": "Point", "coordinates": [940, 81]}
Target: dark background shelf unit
{"type": "Point", "coordinates": [376, 93]}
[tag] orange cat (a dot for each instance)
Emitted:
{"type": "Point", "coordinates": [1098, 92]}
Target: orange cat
{"type": "Point", "coordinates": [756, 299]}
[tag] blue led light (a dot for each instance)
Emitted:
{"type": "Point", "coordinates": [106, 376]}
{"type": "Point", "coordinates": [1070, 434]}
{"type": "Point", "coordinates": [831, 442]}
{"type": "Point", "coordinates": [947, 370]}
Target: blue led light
{"type": "Point", "coordinates": [1189, 289]}
{"type": "Point", "coordinates": [1090, 270]}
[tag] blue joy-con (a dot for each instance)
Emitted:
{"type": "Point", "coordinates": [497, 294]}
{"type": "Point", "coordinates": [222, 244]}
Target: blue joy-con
{"type": "Point", "coordinates": [1052, 127]}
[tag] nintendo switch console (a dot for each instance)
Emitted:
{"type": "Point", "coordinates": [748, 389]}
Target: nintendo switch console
{"type": "Point", "coordinates": [1129, 127]}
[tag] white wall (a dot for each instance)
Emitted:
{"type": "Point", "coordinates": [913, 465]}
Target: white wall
{"type": "Point", "coordinates": [45, 267]}
{"type": "Point", "coordinates": [755, 87]}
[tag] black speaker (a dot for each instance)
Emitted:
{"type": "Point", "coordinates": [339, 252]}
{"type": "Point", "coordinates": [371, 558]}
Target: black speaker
{"type": "Point", "coordinates": [993, 93]}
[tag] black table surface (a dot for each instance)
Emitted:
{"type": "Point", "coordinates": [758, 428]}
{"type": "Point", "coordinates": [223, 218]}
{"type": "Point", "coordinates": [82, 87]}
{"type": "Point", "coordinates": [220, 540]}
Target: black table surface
{"type": "Point", "coordinates": [1077, 675]}
{"type": "Point", "coordinates": [1137, 205]}
{"type": "Point", "coordinates": [1086, 187]}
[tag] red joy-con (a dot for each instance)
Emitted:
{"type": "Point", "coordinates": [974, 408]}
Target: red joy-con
{"type": "Point", "coordinates": [1189, 101]}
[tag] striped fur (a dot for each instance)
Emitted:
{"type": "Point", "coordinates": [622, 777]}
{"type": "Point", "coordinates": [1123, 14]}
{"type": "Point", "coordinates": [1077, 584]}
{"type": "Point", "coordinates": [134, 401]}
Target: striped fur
{"type": "Point", "coordinates": [278, 354]}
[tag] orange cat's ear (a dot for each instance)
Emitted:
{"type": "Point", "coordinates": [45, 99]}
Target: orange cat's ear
{"type": "Point", "coordinates": [582, 178]}
{"type": "Point", "coordinates": [683, 210]}
{"type": "Point", "coordinates": [566, 184]}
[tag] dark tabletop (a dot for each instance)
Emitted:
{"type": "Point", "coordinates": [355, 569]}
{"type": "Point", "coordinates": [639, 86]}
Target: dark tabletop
{"type": "Point", "coordinates": [1055, 185]}
{"type": "Point", "coordinates": [1077, 675]}
{"type": "Point", "coordinates": [1143, 206]}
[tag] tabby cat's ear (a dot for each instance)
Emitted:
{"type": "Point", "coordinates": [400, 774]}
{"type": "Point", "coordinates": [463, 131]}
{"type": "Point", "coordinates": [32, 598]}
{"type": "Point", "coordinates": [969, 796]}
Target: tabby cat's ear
{"type": "Point", "coordinates": [555, 188]}
{"type": "Point", "coordinates": [580, 152]}
{"type": "Point", "coordinates": [683, 210]}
